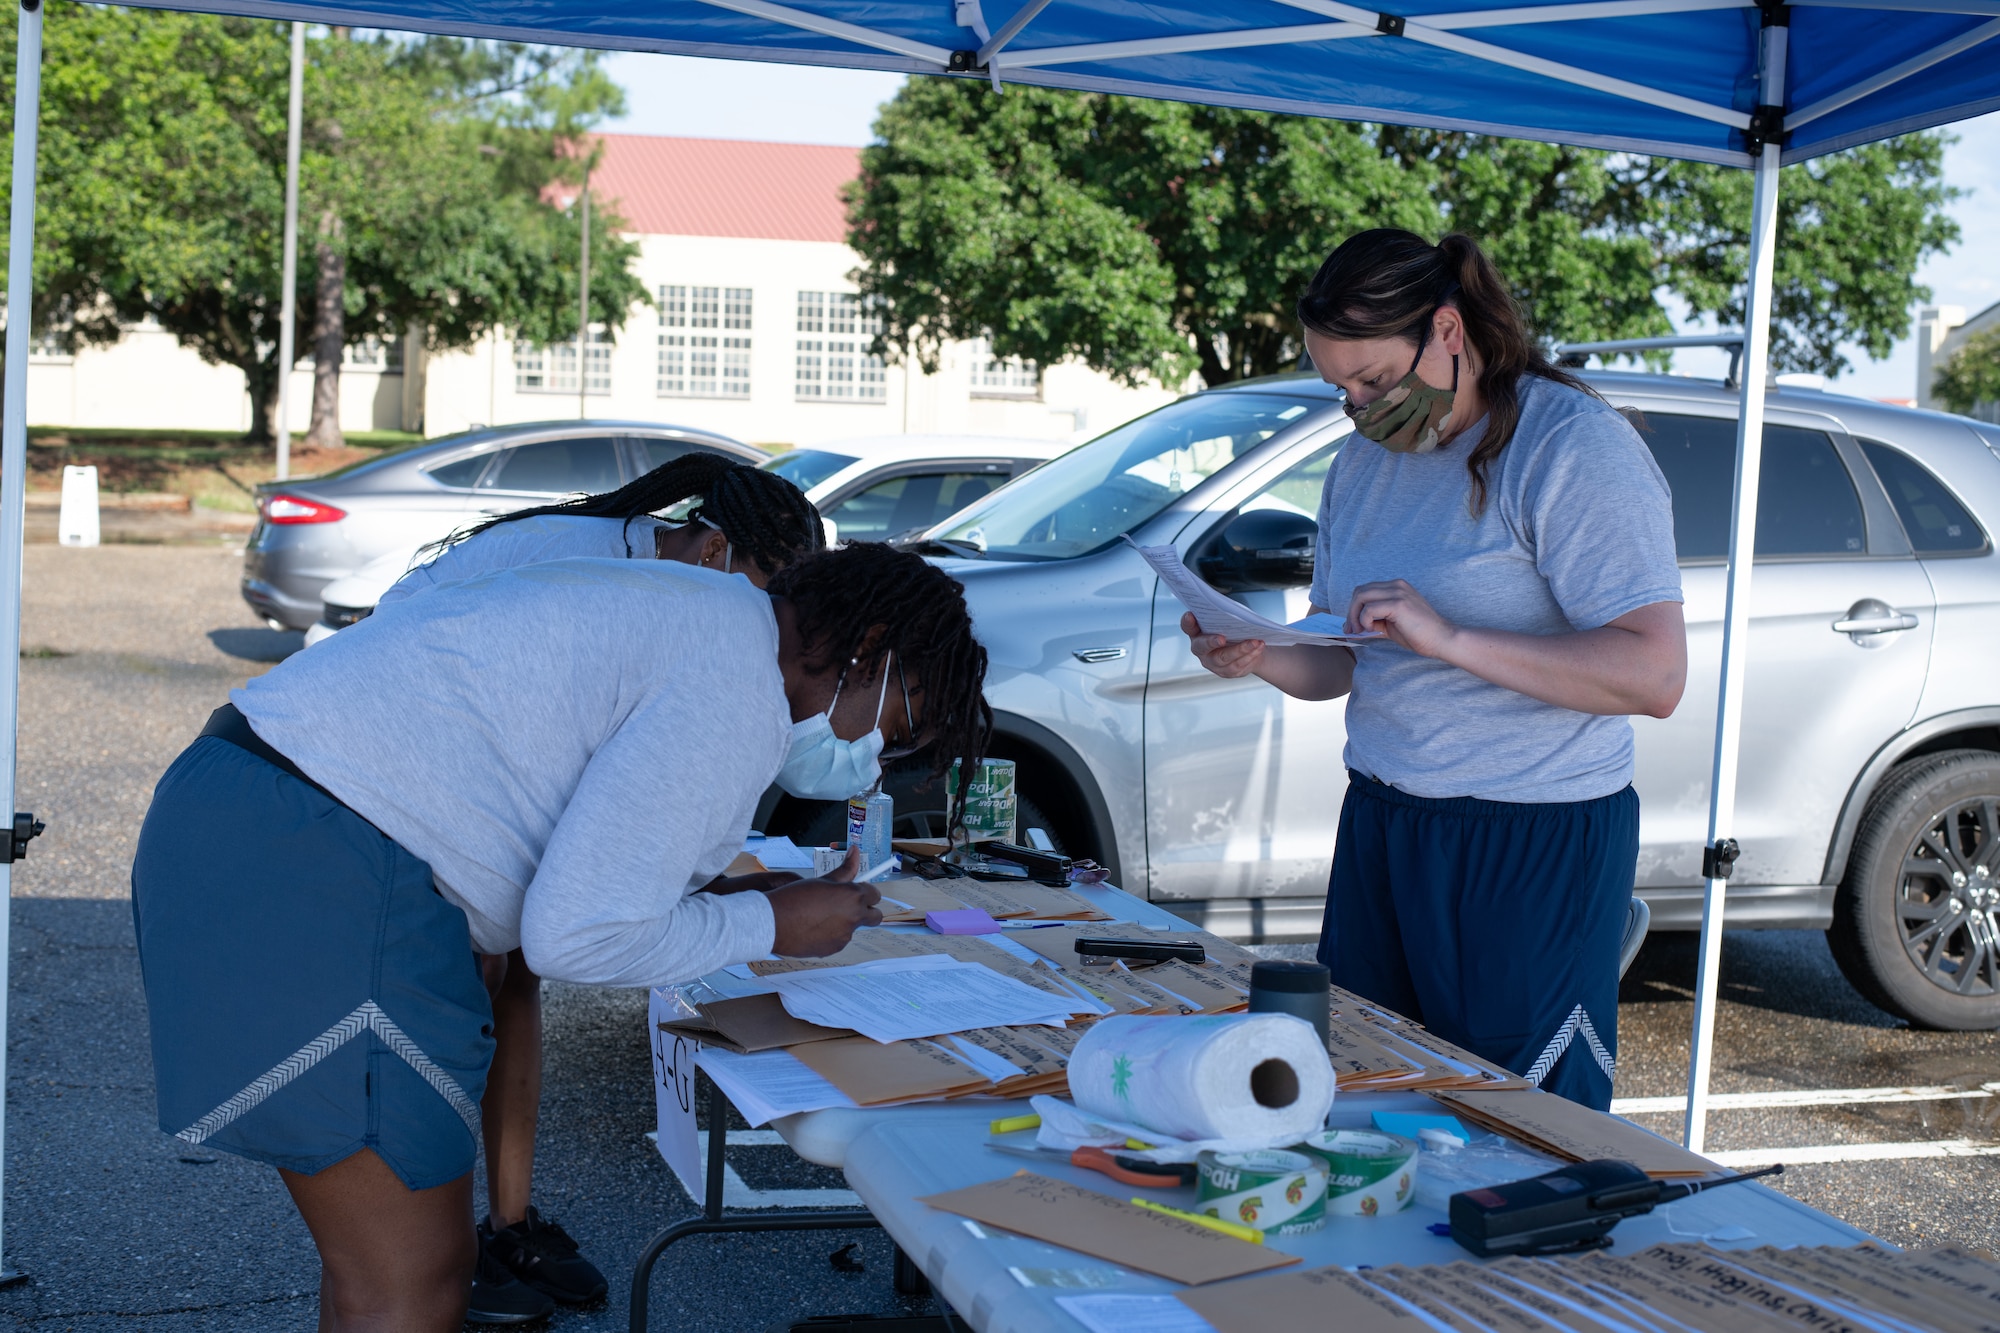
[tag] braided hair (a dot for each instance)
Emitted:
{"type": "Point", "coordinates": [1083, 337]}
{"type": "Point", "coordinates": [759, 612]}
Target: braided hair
{"type": "Point", "coordinates": [839, 596]}
{"type": "Point", "coordinates": [759, 513]}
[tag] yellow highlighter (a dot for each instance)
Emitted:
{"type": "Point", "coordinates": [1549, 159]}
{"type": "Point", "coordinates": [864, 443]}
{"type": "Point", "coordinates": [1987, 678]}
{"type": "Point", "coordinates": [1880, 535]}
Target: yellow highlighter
{"type": "Point", "coordinates": [1009, 1123]}
{"type": "Point", "coordinates": [1241, 1232]}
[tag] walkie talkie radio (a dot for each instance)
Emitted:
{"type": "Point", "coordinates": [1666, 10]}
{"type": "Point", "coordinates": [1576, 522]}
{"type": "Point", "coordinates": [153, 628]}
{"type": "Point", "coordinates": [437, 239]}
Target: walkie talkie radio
{"type": "Point", "coordinates": [1573, 1208]}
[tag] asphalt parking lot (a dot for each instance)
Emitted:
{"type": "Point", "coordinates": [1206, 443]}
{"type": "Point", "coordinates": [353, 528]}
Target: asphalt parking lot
{"type": "Point", "coordinates": [126, 649]}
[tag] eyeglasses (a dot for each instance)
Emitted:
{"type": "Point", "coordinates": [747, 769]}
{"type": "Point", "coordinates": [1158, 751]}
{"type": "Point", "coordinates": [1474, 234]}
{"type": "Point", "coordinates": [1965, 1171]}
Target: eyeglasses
{"type": "Point", "coordinates": [909, 718]}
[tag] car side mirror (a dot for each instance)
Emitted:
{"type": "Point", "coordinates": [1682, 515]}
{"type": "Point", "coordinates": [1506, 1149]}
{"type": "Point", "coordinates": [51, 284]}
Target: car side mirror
{"type": "Point", "coordinates": [1259, 550]}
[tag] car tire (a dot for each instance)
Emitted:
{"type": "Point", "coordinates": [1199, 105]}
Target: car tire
{"type": "Point", "coordinates": [1916, 922]}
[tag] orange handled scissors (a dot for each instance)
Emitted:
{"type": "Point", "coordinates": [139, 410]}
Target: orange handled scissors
{"type": "Point", "coordinates": [1125, 1170]}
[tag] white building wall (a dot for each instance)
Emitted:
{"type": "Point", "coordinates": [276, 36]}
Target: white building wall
{"type": "Point", "coordinates": [478, 387]}
{"type": "Point", "coordinates": [148, 381]}
{"type": "Point", "coordinates": [1941, 332]}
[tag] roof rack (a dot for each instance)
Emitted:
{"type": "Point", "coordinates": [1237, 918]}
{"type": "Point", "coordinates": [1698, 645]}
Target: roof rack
{"type": "Point", "coordinates": [1574, 355]}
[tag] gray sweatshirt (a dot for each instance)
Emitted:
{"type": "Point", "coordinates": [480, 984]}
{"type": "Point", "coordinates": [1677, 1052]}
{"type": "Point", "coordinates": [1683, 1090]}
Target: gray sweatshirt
{"type": "Point", "coordinates": [572, 746]}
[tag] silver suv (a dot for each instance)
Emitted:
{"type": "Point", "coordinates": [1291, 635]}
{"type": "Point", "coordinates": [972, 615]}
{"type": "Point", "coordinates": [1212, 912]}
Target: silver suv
{"type": "Point", "coordinates": [1870, 790]}
{"type": "Point", "coordinates": [313, 530]}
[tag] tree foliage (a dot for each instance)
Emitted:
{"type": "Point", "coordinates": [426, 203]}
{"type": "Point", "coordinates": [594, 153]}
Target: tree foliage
{"type": "Point", "coordinates": [1972, 376]}
{"type": "Point", "coordinates": [161, 185]}
{"type": "Point", "coordinates": [1154, 238]}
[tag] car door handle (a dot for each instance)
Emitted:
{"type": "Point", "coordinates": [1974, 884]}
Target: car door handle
{"type": "Point", "coordinates": [1098, 654]}
{"type": "Point", "coordinates": [1873, 617]}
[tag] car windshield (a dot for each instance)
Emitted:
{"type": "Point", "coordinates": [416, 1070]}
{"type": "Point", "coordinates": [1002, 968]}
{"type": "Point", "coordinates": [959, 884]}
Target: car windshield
{"type": "Point", "coordinates": [1094, 494]}
{"type": "Point", "coordinates": [807, 468]}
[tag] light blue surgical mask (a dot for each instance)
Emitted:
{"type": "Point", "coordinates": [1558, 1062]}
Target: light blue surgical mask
{"type": "Point", "coordinates": [822, 767]}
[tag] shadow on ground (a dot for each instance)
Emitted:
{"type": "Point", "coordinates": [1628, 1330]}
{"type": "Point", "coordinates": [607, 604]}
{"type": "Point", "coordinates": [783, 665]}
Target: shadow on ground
{"type": "Point", "coordinates": [258, 645]}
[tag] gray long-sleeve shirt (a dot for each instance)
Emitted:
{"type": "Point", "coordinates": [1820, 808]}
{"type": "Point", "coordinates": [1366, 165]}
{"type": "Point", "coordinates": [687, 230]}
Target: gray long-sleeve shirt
{"type": "Point", "coordinates": [572, 746]}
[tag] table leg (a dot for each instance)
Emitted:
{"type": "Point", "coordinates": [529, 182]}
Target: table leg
{"type": "Point", "coordinates": [712, 1221]}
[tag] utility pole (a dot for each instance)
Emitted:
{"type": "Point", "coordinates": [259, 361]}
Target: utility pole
{"type": "Point", "coordinates": [583, 308]}
{"type": "Point", "coordinates": [289, 305]}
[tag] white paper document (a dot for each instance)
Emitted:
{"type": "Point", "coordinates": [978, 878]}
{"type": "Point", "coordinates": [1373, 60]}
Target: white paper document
{"type": "Point", "coordinates": [1217, 614]}
{"type": "Point", "coordinates": [769, 1084]}
{"type": "Point", "coordinates": [894, 999]}
{"type": "Point", "coordinates": [779, 853]}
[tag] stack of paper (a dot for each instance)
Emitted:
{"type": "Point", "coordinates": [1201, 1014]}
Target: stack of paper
{"type": "Point", "coordinates": [896, 999]}
{"type": "Point", "coordinates": [1677, 1286]}
{"type": "Point", "coordinates": [1217, 614]}
{"type": "Point", "coordinates": [769, 1084]}
{"type": "Point", "coordinates": [905, 901]}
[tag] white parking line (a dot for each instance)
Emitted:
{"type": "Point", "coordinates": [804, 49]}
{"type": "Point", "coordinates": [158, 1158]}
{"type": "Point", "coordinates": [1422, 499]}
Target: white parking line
{"type": "Point", "coordinates": [736, 1193]}
{"type": "Point", "coordinates": [1854, 1152]}
{"type": "Point", "coordinates": [1751, 1101]}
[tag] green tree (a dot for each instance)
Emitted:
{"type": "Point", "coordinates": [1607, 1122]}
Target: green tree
{"type": "Point", "coordinates": [162, 178]}
{"type": "Point", "coordinates": [1972, 376]}
{"type": "Point", "coordinates": [1150, 238]}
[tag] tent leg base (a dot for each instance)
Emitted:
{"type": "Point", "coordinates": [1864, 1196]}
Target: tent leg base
{"type": "Point", "coordinates": [10, 1276]}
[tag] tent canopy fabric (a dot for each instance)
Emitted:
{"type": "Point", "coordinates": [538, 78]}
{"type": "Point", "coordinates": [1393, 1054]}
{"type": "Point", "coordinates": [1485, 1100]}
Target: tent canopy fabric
{"type": "Point", "coordinates": [1671, 77]}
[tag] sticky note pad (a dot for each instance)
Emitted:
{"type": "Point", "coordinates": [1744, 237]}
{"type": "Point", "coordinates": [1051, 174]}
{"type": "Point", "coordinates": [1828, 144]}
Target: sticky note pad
{"type": "Point", "coordinates": [1409, 1124]}
{"type": "Point", "coordinates": [962, 921]}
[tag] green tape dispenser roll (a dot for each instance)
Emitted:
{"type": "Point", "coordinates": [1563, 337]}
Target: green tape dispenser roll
{"type": "Point", "coordinates": [1367, 1173]}
{"type": "Point", "coordinates": [1280, 1193]}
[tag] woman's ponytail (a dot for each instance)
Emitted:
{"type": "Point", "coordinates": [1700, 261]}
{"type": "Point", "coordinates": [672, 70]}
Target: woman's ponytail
{"type": "Point", "coordinates": [1388, 283]}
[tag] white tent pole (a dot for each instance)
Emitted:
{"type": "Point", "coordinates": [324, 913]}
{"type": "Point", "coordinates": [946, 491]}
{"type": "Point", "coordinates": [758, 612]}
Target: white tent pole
{"type": "Point", "coordinates": [583, 308]}
{"type": "Point", "coordinates": [289, 305]}
{"type": "Point", "coordinates": [1756, 363]}
{"type": "Point", "coordinates": [14, 480]}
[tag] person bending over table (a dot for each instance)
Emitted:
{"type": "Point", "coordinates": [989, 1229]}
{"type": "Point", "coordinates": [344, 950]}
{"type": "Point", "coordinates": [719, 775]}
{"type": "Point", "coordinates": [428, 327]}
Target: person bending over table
{"type": "Point", "coordinates": [745, 521]}
{"type": "Point", "coordinates": [1512, 536]}
{"type": "Point", "coordinates": [547, 758]}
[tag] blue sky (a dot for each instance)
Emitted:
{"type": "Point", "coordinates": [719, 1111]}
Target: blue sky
{"type": "Point", "coordinates": [725, 99]}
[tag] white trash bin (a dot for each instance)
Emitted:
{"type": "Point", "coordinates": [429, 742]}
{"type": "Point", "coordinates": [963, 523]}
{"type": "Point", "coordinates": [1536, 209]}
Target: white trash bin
{"type": "Point", "coordinates": [77, 524]}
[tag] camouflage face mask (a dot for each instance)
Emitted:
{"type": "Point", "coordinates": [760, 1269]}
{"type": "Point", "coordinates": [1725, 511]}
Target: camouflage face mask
{"type": "Point", "coordinates": [1413, 416]}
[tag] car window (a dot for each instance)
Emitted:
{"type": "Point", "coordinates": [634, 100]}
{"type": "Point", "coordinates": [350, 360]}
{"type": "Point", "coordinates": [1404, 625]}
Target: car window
{"type": "Point", "coordinates": [1936, 522]}
{"type": "Point", "coordinates": [1090, 496]}
{"type": "Point", "coordinates": [1806, 502]}
{"type": "Point", "coordinates": [462, 473]}
{"type": "Point", "coordinates": [807, 468]}
{"type": "Point", "coordinates": [656, 451]}
{"type": "Point", "coordinates": [588, 463]}
{"type": "Point", "coordinates": [915, 501]}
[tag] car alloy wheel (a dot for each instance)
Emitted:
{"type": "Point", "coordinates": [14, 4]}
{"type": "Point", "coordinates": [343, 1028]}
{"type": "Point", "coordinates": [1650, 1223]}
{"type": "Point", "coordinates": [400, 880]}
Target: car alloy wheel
{"type": "Point", "coordinates": [1916, 923]}
{"type": "Point", "coordinates": [1948, 901]}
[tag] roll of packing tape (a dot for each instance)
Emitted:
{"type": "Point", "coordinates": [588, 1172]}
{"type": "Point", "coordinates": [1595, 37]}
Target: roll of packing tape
{"type": "Point", "coordinates": [1367, 1173]}
{"type": "Point", "coordinates": [1280, 1193]}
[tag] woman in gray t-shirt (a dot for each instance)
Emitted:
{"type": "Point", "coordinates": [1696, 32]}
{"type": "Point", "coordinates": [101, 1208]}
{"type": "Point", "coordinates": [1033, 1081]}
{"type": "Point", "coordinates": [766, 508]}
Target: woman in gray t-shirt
{"type": "Point", "coordinates": [1510, 535]}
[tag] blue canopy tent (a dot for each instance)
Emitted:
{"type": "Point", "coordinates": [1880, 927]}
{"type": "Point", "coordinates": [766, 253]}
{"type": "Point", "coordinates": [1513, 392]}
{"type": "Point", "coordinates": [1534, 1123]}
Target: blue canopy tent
{"type": "Point", "coordinates": [1725, 81]}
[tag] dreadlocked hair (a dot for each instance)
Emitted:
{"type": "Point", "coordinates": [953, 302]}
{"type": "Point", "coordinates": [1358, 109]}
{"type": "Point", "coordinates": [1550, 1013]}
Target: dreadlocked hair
{"type": "Point", "coordinates": [762, 515]}
{"type": "Point", "coordinates": [840, 595]}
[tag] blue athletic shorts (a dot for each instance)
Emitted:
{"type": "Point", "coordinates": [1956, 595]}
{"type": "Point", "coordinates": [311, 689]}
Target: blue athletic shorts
{"type": "Point", "coordinates": [310, 992]}
{"type": "Point", "coordinates": [1496, 924]}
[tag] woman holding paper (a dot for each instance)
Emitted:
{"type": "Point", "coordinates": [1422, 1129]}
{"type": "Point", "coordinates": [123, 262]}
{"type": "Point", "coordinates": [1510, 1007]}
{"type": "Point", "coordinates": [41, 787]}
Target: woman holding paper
{"type": "Point", "coordinates": [1512, 537]}
{"type": "Point", "coordinates": [549, 758]}
{"type": "Point", "coordinates": [742, 520]}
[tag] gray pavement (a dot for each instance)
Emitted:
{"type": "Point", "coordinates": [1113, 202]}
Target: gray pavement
{"type": "Point", "coordinates": [128, 648]}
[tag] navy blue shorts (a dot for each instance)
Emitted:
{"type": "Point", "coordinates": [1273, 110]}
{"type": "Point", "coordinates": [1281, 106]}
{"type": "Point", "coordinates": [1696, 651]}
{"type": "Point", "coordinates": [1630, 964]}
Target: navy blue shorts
{"type": "Point", "coordinates": [311, 994]}
{"type": "Point", "coordinates": [1495, 924]}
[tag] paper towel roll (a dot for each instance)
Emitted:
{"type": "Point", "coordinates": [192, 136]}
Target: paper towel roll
{"type": "Point", "coordinates": [1241, 1077]}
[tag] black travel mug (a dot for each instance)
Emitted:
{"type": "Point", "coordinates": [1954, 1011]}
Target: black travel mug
{"type": "Point", "coordinates": [1298, 989]}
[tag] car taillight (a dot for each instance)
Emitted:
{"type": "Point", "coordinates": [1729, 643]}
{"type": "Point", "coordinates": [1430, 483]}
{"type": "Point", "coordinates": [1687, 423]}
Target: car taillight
{"type": "Point", "coordinates": [295, 509]}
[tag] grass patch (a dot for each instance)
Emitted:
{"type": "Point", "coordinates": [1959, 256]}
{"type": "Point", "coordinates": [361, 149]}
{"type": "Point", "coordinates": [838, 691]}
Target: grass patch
{"type": "Point", "coordinates": [214, 469]}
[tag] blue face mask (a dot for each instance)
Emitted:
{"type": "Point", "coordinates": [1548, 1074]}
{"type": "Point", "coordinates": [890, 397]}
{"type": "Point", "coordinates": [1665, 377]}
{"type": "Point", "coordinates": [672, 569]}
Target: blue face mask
{"type": "Point", "coordinates": [822, 767]}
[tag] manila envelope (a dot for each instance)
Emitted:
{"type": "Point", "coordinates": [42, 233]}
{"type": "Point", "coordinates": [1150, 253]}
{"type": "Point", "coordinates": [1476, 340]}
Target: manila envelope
{"type": "Point", "coordinates": [1107, 1228]}
{"type": "Point", "coordinates": [913, 898]}
{"type": "Point", "coordinates": [1542, 1120]}
{"type": "Point", "coordinates": [753, 1023]}
{"type": "Point", "coordinates": [872, 1072]}
{"type": "Point", "coordinates": [1042, 902]}
{"type": "Point", "coordinates": [1330, 1298]}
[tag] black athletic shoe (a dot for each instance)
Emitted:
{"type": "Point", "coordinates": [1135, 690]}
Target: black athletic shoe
{"type": "Point", "coordinates": [498, 1297]}
{"type": "Point", "coordinates": [541, 1254]}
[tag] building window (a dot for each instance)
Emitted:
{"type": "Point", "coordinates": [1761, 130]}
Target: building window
{"type": "Point", "coordinates": [553, 369]}
{"type": "Point", "coordinates": [373, 353]}
{"type": "Point", "coordinates": [704, 365]}
{"type": "Point", "coordinates": [840, 367]}
{"type": "Point", "coordinates": [993, 377]}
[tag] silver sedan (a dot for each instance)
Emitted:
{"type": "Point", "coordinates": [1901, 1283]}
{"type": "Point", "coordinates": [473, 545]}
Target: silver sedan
{"type": "Point", "coordinates": [311, 531]}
